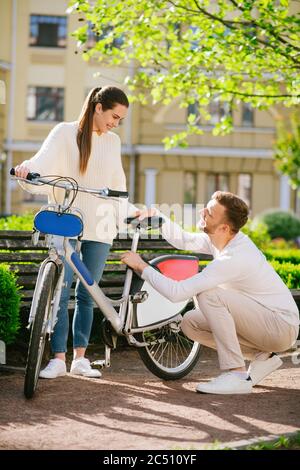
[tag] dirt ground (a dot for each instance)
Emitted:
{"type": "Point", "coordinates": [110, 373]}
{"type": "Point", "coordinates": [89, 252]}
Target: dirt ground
{"type": "Point", "coordinates": [129, 408]}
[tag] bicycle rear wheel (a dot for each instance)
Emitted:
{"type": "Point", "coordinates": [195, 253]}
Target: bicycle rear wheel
{"type": "Point", "coordinates": [170, 354]}
{"type": "Point", "coordinates": [44, 293]}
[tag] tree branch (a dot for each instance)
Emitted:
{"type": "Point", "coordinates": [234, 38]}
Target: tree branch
{"type": "Point", "coordinates": [252, 95]}
{"type": "Point", "coordinates": [271, 32]}
{"type": "Point", "coordinates": [230, 25]}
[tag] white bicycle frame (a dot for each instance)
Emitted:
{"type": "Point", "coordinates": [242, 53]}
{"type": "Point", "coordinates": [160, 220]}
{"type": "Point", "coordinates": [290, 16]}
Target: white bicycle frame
{"type": "Point", "coordinates": [121, 321]}
{"type": "Point", "coordinates": [153, 311]}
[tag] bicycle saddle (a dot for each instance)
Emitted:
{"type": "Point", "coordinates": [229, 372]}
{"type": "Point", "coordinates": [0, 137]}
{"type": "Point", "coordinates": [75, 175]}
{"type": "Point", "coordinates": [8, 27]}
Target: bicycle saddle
{"type": "Point", "coordinates": [153, 222]}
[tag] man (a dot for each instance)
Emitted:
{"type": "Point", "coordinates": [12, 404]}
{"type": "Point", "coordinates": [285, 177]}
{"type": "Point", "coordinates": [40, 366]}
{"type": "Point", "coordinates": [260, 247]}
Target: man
{"type": "Point", "coordinates": [244, 306]}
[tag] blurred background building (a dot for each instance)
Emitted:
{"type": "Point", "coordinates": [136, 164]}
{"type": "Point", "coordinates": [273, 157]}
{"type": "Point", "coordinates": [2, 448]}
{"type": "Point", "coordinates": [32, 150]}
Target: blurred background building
{"type": "Point", "coordinates": [47, 81]}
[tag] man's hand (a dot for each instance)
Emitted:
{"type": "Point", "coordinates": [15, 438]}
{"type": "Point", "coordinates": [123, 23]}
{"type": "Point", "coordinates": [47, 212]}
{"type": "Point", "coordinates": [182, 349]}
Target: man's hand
{"type": "Point", "coordinates": [146, 213]}
{"type": "Point", "coordinates": [134, 261]}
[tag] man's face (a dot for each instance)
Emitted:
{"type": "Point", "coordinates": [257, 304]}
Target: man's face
{"type": "Point", "coordinates": [213, 218]}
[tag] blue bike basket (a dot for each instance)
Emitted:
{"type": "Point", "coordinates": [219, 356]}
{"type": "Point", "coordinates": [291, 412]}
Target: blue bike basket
{"type": "Point", "coordinates": [57, 223]}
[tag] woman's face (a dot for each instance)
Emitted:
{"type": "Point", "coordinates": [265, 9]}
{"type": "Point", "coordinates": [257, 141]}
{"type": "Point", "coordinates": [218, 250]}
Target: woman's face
{"type": "Point", "coordinates": [105, 121]}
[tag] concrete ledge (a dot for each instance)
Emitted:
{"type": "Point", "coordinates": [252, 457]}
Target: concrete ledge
{"type": "Point", "coordinates": [245, 443]}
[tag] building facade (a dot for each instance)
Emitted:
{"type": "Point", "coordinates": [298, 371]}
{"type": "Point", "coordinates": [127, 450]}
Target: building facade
{"type": "Point", "coordinates": [47, 81]}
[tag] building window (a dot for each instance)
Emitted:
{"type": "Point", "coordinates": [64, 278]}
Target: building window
{"type": "Point", "coordinates": [194, 37]}
{"type": "Point", "coordinates": [194, 109]}
{"type": "Point", "coordinates": [247, 115]}
{"type": "Point", "coordinates": [190, 187]}
{"type": "Point", "coordinates": [45, 104]}
{"type": "Point", "coordinates": [217, 110]}
{"type": "Point", "coordinates": [48, 31]}
{"type": "Point", "coordinates": [107, 33]}
{"type": "Point", "coordinates": [216, 182]}
{"type": "Point", "coordinates": [174, 30]}
{"type": "Point", "coordinates": [245, 187]}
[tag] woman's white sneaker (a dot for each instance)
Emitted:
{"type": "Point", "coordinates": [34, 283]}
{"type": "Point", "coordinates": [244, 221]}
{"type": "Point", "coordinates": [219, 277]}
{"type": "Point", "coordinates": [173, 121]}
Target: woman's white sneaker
{"type": "Point", "coordinates": [261, 368]}
{"type": "Point", "coordinates": [82, 366]}
{"type": "Point", "coordinates": [55, 368]}
{"type": "Point", "coordinates": [227, 383]}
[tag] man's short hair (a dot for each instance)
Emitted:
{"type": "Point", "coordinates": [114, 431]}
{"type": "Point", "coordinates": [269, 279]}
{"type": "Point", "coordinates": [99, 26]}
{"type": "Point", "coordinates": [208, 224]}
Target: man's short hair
{"type": "Point", "coordinates": [237, 211]}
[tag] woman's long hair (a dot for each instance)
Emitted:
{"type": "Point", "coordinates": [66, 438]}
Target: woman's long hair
{"type": "Point", "coordinates": [109, 97]}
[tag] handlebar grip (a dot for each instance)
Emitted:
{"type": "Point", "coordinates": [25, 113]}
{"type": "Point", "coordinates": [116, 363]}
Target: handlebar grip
{"type": "Point", "coordinates": [112, 193]}
{"type": "Point", "coordinates": [128, 220]}
{"type": "Point", "coordinates": [29, 177]}
{"type": "Point", "coordinates": [148, 222]}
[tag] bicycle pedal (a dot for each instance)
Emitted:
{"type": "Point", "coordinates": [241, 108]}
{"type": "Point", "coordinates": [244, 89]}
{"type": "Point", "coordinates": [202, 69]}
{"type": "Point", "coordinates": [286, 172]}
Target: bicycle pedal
{"type": "Point", "coordinates": [100, 363]}
{"type": "Point", "coordinates": [139, 297]}
{"type": "Point", "coordinates": [103, 362]}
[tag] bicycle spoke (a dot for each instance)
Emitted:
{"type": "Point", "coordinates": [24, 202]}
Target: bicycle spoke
{"type": "Point", "coordinates": [39, 329]}
{"type": "Point", "coordinates": [176, 354]}
{"type": "Point", "coordinates": [165, 347]}
{"type": "Point", "coordinates": [182, 344]}
{"type": "Point", "coordinates": [169, 353]}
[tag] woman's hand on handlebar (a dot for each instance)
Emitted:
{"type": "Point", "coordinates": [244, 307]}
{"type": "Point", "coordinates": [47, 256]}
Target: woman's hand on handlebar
{"type": "Point", "coordinates": [21, 171]}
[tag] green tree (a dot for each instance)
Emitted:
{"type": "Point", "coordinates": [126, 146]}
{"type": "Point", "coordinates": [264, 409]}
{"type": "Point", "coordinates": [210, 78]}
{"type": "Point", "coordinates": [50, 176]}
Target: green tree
{"type": "Point", "coordinates": [287, 148]}
{"type": "Point", "coordinates": [198, 50]}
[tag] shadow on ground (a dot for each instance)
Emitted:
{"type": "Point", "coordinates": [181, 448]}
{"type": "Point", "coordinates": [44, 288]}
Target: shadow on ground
{"type": "Point", "coordinates": [129, 408]}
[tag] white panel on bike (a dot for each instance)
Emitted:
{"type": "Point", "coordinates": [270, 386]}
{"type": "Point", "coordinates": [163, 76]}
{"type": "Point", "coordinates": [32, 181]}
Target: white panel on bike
{"type": "Point", "coordinates": [156, 308]}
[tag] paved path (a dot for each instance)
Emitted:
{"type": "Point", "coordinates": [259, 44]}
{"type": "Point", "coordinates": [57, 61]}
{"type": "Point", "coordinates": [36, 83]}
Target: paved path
{"type": "Point", "coordinates": [129, 408]}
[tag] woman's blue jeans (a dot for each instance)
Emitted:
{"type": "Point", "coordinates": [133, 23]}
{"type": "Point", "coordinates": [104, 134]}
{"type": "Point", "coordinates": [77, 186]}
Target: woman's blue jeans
{"type": "Point", "coordinates": [94, 255]}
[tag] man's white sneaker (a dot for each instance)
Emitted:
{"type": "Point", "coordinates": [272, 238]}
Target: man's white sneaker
{"type": "Point", "coordinates": [227, 383]}
{"type": "Point", "coordinates": [55, 368]}
{"type": "Point", "coordinates": [82, 366]}
{"type": "Point", "coordinates": [261, 368]}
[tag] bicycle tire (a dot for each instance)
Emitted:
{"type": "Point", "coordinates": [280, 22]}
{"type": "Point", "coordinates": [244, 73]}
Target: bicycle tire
{"type": "Point", "coordinates": [163, 366]}
{"type": "Point", "coordinates": [38, 334]}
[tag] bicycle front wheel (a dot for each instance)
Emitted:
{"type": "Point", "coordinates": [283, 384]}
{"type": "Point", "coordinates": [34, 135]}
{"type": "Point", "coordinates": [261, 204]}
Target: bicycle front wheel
{"type": "Point", "coordinates": [44, 294]}
{"type": "Point", "coordinates": [169, 354]}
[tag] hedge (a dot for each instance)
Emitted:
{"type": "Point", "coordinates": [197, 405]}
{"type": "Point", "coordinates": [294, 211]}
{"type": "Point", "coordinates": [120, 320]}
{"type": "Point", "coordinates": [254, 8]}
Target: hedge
{"type": "Point", "coordinates": [17, 222]}
{"type": "Point", "coordinates": [289, 273]}
{"type": "Point", "coordinates": [9, 305]}
{"type": "Point", "coordinates": [283, 256]}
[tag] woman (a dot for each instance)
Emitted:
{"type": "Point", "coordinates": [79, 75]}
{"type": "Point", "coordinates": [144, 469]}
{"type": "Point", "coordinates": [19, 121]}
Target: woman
{"type": "Point", "coordinates": [87, 151]}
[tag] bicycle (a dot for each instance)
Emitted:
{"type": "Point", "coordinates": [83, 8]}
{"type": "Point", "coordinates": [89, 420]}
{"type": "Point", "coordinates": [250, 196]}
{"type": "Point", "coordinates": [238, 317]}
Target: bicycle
{"type": "Point", "coordinates": [145, 318]}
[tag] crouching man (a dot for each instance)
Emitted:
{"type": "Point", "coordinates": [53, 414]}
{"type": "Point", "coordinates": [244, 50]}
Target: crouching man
{"type": "Point", "coordinates": [244, 308]}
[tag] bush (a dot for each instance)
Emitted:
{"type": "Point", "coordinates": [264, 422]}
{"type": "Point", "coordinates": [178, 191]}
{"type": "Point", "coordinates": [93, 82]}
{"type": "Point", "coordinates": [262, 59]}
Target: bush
{"type": "Point", "coordinates": [9, 305]}
{"type": "Point", "coordinates": [280, 224]}
{"type": "Point", "coordinates": [258, 233]}
{"type": "Point", "coordinates": [282, 244]}
{"type": "Point", "coordinates": [17, 222]}
{"type": "Point", "coordinates": [283, 256]}
{"type": "Point", "coordinates": [289, 273]}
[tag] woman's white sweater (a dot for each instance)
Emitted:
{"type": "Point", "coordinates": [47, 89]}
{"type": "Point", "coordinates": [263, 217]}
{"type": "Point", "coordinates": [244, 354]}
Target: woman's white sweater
{"type": "Point", "coordinates": [59, 155]}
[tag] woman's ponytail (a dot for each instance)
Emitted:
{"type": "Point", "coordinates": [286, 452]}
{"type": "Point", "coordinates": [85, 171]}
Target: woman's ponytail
{"type": "Point", "coordinates": [85, 128]}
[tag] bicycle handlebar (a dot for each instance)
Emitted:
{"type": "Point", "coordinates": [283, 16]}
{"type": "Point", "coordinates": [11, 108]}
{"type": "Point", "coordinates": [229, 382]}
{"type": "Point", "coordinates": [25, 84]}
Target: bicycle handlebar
{"type": "Point", "coordinates": [35, 178]}
{"type": "Point", "coordinates": [114, 193]}
{"type": "Point", "coordinates": [29, 177]}
{"type": "Point", "coordinates": [153, 222]}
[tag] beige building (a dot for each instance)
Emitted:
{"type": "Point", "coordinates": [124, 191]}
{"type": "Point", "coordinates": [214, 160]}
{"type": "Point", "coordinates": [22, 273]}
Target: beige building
{"type": "Point", "coordinates": [47, 81]}
{"type": "Point", "coordinates": [5, 69]}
